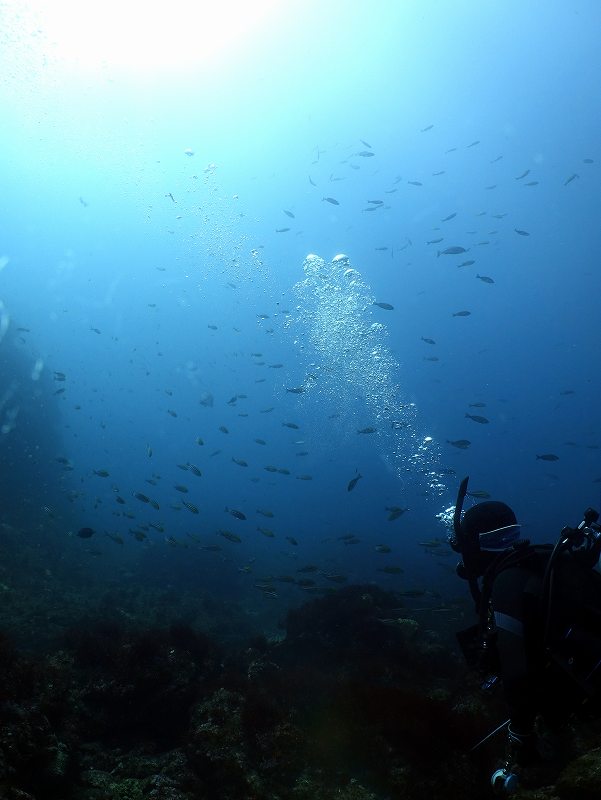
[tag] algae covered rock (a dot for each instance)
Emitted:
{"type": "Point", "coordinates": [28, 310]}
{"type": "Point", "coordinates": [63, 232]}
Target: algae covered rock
{"type": "Point", "coordinates": [581, 779]}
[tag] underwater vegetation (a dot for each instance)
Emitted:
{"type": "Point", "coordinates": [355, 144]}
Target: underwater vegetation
{"type": "Point", "coordinates": [357, 701]}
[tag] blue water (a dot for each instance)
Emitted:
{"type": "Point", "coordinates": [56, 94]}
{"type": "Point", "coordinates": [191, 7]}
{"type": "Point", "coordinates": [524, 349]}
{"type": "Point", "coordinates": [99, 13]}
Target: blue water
{"type": "Point", "coordinates": [141, 235]}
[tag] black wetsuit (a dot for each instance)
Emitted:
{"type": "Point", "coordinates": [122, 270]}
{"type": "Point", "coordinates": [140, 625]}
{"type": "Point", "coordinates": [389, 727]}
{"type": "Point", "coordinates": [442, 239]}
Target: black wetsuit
{"type": "Point", "coordinates": [549, 647]}
{"type": "Point", "coordinates": [515, 601]}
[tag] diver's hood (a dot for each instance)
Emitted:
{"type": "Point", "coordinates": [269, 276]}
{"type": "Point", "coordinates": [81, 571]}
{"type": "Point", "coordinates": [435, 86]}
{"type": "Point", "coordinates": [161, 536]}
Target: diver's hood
{"type": "Point", "coordinates": [490, 525]}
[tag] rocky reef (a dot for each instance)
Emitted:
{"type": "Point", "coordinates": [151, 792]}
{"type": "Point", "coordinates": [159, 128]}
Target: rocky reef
{"type": "Point", "coordinates": [357, 701]}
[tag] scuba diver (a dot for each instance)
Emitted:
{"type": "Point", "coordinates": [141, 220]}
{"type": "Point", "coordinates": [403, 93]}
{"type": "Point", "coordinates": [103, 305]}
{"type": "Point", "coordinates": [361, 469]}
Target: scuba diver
{"type": "Point", "coordinates": [539, 623]}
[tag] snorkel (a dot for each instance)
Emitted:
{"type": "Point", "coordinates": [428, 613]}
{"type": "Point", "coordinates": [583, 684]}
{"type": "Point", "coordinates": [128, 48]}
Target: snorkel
{"type": "Point", "coordinates": [460, 543]}
{"type": "Point", "coordinates": [456, 540]}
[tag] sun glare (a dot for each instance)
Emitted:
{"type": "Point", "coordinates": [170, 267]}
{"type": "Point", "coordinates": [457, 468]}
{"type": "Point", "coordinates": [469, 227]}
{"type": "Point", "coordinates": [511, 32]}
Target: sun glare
{"type": "Point", "coordinates": [141, 37]}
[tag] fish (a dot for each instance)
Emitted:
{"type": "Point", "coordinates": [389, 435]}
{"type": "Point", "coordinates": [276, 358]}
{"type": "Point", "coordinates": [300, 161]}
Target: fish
{"type": "Point", "coordinates": [451, 251]}
{"type": "Point", "coordinates": [367, 144]}
{"type": "Point", "coordinates": [365, 154]}
{"type": "Point", "coordinates": [353, 482]}
{"type": "Point", "coordinates": [462, 444]}
{"type": "Point", "coordinates": [477, 405]}
{"type": "Point", "coordinates": [462, 313]}
{"type": "Point", "coordinates": [295, 390]}
{"type": "Point", "coordinates": [548, 457]}
{"type": "Point", "coordinates": [395, 512]}
{"type": "Point", "coordinates": [473, 144]}
{"type": "Point", "coordinates": [265, 513]}
{"type": "Point", "coordinates": [367, 430]}
{"type": "Point", "coordinates": [391, 569]}
{"type": "Point", "coordinates": [436, 174]}
{"type": "Point", "coordinates": [266, 532]}
{"type": "Point", "coordinates": [288, 213]}
{"type": "Point", "coordinates": [194, 470]}
{"type": "Point", "coordinates": [190, 506]}
{"type": "Point", "coordinates": [477, 418]}
{"type": "Point", "coordinates": [181, 488]}
{"type": "Point", "coordinates": [102, 473]}
{"type": "Point", "coordinates": [485, 278]}
{"type": "Point", "coordinates": [382, 548]}
{"type": "Point", "coordinates": [235, 513]}
{"type": "Point", "coordinates": [376, 202]}
{"type": "Point", "coordinates": [467, 263]}
{"type": "Point", "coordinates": [304, 477]}
{"type": "Point", "coordinates": [156, 525]}
{"type": "Point", "coordinates": [335, 577]}
{"type": "Point", "coordinates": [428, 341]}
{"type": "Point", "coordinates": [531, 183]}
{"type": "Point", "coordinates": [523, 175]}
{"type": "Point", "coordinates": [588, 161]}
{"type": "Point", "coordinates": [571, 178]}
{"type": "Point", "coordinates": [86, 533]}
{"type": "Point", "coordinates": [240, 462]}
{"type": "Point", "coordinates": [479, 494]}
{"type": "Point", "coordinates": [260, 441]}
{"type": "Point", "coordinates": [427, 128]}
{"type": "Point", "coordinates": [223, 429]}
{"type": "Point", "coordinates": [292, 541]}
{"type": "Point", "coordinates": [292, 425]}
{"type": "Point", "coordinates": [331, 200]}
{"type": "Point", "coordinates": [435, 241]}
{"type": "Point", "coordinates": [282, 230]}
{"type": "Point", "coordinates": [451, 216]}
{"type": "Point", "coordinates": [231, 537]}
{"type": "Point", "coordinates": [385, 306]}
{"type": "Point", "coordinates": [432, 543]}
{"type": "Point", "coordinates": [521, 232]}
{"type": "Point", "coordinates": [141, 497]}
{"type": "Point", "coordinates": [415, 183]}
